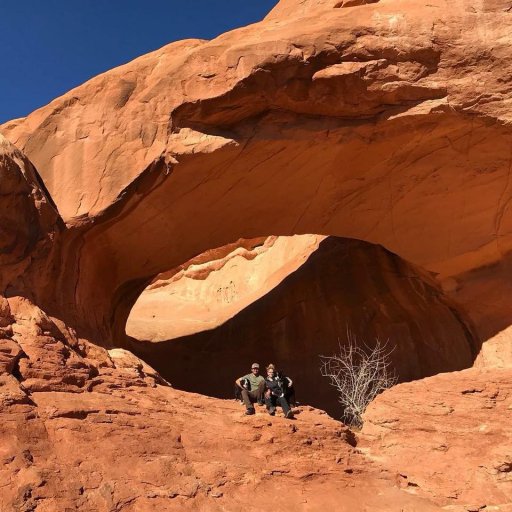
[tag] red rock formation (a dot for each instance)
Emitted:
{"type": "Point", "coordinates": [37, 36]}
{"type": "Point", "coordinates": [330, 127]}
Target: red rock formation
{"type": "Point", "coordinates": [154, 449]}
{"type": "Point", "coordinates": [343, 284]}
{"type": "Point", "coordinates": [212, 288]}
{"type": "Point", "coordinates": [82, 428]}
{"type": "Point", "coordinates": [387, 122]}
{"type": "Point", "coordinates": [29, 224]}
{"type": "Point", "coordinates": [360, 123]}
{"type": "Point", "coordinates": [294, 8]}
{"type": "Point", "coordinates": [448, 437]}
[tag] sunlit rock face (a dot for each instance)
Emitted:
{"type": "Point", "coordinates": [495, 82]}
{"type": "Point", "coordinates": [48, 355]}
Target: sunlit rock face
{"type": "Point", "coordinates": [212, 288]}
{"type": "Point", "coordinates": [445, 429]}
{"type": "Point", "coordinates": [381, 122]}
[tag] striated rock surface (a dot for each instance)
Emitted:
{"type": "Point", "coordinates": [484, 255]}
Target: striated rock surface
{"type": "Point", "coordinates": [212, 288]}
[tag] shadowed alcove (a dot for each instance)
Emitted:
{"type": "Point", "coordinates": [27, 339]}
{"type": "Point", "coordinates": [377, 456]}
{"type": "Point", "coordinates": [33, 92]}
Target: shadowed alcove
{"type": "Point", "coordinates": [296, 300]}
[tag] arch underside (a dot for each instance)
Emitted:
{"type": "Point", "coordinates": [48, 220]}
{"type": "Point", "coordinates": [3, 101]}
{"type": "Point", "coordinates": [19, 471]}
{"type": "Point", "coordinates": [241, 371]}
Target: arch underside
{"type": "Point", "coordinates": [431, 188]}
{"type": "Point", "coordinates": [385, 124]}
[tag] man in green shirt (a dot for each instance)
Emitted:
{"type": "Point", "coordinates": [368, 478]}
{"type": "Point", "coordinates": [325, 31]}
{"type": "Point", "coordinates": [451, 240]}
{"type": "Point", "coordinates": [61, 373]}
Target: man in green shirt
{"type": "Point", "coordinates": [255, 393]}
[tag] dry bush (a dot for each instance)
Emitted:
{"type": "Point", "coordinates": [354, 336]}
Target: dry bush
{"type": "Point", "coordinates": [359, 373]}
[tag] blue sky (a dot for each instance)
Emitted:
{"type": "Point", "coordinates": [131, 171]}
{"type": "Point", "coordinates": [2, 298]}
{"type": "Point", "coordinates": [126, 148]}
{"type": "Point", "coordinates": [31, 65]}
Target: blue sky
{"type": "Point", "coordinates": [51, 46]}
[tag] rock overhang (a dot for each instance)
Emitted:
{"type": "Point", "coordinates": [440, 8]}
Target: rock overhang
{"type": "Point", "coordinates": [357, 122]}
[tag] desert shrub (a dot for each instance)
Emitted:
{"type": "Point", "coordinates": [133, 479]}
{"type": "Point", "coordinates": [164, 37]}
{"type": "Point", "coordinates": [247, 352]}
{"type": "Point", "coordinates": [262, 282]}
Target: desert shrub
{"type": "Point", "coordinates": [359, 373]}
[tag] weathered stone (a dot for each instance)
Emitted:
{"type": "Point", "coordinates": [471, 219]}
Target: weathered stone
{"type": "Point", "coordinates": [448, 437]}
{"type": "Point", "coordinates": [380, 122]}
{"type": "Point", "coordinates": [386, 122]}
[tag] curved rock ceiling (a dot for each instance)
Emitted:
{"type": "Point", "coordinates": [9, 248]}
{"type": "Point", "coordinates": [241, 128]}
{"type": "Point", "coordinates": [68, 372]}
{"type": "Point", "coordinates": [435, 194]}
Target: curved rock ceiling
{"type": "Point", "coordinates": [343, 285]}
{"type": "Point", "coordinates": [380, 122]}
{"type": "Point", "coordinates": [209, 290]}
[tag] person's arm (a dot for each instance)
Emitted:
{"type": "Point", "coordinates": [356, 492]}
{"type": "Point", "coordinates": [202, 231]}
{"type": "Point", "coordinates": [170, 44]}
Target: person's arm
{"type": "Point", "coordinates": [290, 382]}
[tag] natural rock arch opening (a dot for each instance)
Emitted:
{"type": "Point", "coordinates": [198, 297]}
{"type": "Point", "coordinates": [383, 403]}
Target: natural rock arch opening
{"type": "Point", "coordinates": [325, 286]}
{"type": "Point", "coordinates": [436, 205]}
{"type": "Point", "coordinates": [205, 292]}
{"type": "Point", "coordinates": [387, 124]}
{"type": "Point", "coordinates": [363, 126]}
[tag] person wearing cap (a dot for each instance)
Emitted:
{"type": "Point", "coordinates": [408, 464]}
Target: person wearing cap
{"type": "Point", "coordinates": [255, 394]}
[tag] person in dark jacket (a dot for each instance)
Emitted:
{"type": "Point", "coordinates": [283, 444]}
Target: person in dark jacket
{"type": "Point", "coordinates": [275, 394]}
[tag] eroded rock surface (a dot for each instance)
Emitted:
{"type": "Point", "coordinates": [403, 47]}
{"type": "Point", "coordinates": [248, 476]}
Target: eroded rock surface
{"type": "Point", "coordinates": [126, 441]}
{"type": "Point", "coordinates": [448, 437]}
{"type": "Point", "coordinates": [343, 285]}
{"type": "Point", "coordinates": [212, 288]}
{"type": "Point", "coordinates": [386, 122]}
{"type": "Point", "coordinates": [29, 224]}
{"type": "Point", "coordinates": [133, 448]}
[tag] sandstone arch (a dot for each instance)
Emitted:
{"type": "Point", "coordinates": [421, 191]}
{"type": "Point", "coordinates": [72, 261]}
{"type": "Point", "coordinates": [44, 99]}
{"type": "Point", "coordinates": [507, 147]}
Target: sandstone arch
{"type": "Point", "coordinates": [430, 224]}
{"type": "Point", "coordinates": [258, 123]}
{"type": "Point", "coordinates": [208, 290]}
{"type": "Point", "coordinates": [362, 126]}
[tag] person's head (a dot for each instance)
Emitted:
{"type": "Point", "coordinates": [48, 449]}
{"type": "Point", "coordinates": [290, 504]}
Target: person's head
{"type": "Point", "coordinates": [271, 370]}
{"type": "Point", "coordinates": [255, 368]}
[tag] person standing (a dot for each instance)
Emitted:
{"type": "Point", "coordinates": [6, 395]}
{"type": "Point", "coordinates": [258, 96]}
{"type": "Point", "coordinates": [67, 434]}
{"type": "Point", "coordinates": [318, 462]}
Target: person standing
{"type": "Point", "coordinates": [256, 391]}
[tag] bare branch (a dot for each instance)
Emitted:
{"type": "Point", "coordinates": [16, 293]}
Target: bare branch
{"type": "Point", "coordinates": [359, 373]}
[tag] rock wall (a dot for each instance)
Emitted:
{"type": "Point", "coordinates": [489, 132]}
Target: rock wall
{"type": "Point", "coordinates": [387, 123]}
{"type": "Point", "coordinates": [451, 429]}
{"type": "Point", "coordinates": [214, 287]}
{"type": "Point", "coordinates": [29, 224]}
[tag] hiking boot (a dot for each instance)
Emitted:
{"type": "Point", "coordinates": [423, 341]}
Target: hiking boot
{"type": "Point", "coordinates": [250, 411]}
{"type": "Point", "coordinates": [272, 411]}
{"type": "Point", "coordinates": [289, 415]}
